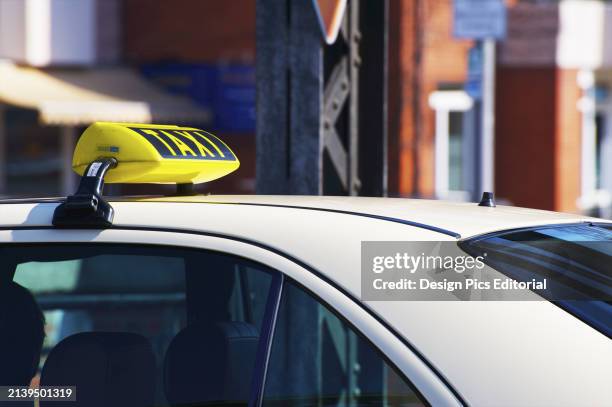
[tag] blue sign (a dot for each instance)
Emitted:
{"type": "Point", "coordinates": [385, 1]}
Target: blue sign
{"type": "Point", "coordinates": [228, 91]}
{"type": "Point", "coordinates": [194, 81]}
{"type": "Point", "coordinates": [479, 19]}
{"type": "Point", "coordinates": [473, 84]}
{"type": "Point", "coordinates": [234, 98]}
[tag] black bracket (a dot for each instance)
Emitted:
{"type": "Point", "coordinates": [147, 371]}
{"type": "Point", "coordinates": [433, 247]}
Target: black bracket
{"type": "Point", "coordinates": [86, 208]}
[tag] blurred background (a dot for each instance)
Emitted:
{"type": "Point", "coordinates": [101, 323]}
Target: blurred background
{"type": "Point", "coordinates": [414, 98]}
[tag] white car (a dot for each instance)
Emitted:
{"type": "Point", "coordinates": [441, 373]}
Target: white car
{"type": "Point", "coordinates": [235, 300]}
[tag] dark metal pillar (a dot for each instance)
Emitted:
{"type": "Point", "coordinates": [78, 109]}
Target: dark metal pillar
{"type": "Point", "coordinates": [373, 88]}
{"type": "Point", "coordinates": [321, 110]}
{"type": "Point", "coordinates": [289, 98]}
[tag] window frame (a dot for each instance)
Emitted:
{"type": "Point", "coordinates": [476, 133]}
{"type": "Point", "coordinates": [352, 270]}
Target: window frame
{"type": "Point", "coordinates": [430, 384]}
{"type": "Point", "coordinates": [444, 103]}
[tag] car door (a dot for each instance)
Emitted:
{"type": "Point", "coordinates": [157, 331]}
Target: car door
{"type": "Point", "coordinates": [314, 344]}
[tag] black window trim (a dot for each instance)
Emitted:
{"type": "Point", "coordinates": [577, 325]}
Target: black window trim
{"type": "Point", "coordinates": [262, 361]}
{"type": "Point", "coordinates": [266, 338]}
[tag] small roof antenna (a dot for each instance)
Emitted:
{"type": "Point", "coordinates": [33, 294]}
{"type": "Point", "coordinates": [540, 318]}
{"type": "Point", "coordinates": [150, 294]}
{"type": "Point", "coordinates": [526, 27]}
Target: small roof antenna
{"type": "Point", "coordinates": [487, 200]}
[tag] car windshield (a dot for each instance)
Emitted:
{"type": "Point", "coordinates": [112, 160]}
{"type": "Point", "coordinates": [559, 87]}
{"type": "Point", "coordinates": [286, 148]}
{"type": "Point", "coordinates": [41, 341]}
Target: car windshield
{"type": "Point", "coordinates": [575, 259]}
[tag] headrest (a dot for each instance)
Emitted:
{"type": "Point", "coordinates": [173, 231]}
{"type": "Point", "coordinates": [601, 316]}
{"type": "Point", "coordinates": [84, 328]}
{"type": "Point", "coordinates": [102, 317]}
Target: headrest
{"type": "Point", "coordinates": [22, 324]}
{"type": "Point", "coordinates": [210, 362]}
{"type": "Point", "coordinates": [108, 369]}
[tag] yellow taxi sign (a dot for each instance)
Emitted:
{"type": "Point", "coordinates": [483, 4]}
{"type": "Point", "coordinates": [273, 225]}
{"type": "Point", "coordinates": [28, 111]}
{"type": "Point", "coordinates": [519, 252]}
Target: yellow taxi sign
{"type": "Point", "coordinates": [149, 153]}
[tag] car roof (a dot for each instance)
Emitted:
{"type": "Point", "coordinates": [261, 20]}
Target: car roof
{"type": "Point", "coordinates": [464, 219]}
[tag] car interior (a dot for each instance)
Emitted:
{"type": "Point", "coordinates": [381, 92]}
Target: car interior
{"type": "Point", "coordinates": [134, 326]}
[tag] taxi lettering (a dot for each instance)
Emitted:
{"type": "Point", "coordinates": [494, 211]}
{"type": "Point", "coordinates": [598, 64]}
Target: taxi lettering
{"type": "Point", "coordinates": [185, 144]}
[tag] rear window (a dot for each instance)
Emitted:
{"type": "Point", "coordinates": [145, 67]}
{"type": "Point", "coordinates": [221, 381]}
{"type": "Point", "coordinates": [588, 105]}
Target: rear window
{"type": "Point", "coordinates": [575, 259]}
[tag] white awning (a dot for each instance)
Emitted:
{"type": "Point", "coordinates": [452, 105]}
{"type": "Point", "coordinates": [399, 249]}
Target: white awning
{"type": "Point", "coordinates": [82, 96]}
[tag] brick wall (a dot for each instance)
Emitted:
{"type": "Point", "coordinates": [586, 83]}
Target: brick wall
{"type": "Point", "coordinates": [189, 30]}
{"type": "Point", "coordinates": [525, 136]}
{"type": "Point", "coordinates": [538, 122]}
{"type": "Point", "coordinates": [567, 141]}
{"type": "Point", "coordinates": [537, 148]}
{"type": "Point", "coordinates": [424, 58]}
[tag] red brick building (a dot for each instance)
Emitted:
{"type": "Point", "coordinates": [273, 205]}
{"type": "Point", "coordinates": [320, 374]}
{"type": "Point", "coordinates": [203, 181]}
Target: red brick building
{"type": "Point", "coordinates": [551, 128]}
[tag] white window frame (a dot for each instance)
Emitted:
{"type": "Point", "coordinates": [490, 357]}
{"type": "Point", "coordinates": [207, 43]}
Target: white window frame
{"type": "Point", "coordinates": [443, 102]}
{"type": "Point", "coordinates": [592, 197]}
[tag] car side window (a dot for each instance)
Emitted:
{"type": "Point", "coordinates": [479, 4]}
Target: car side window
{"type": "Point", "coordinates": [317, 359]}
{"type": "Point", "coordinates": [131, 325]}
